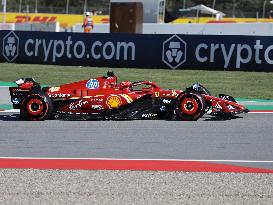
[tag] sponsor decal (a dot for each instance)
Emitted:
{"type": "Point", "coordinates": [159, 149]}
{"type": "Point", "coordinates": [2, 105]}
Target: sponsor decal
{"type": "Point", "coordinates": [19, 93]}
{"type": "Point", "coordinates": [165, 101]}
{"type": "Point", "coordinates": [19, 90]}
{"type": "Point", "coordinates": [35, 19]}
{"type": "Point", "coordinates": [10, 46]}
{"type": "Point", "coordinates": [149, 115]}
{"type": "Point", "coordinates": [174, 93]}
{"type": "Point", "coordinates": [77, 105]}
{"type": "Point", "coordinates": [195, 86]}
{"type": "Point", "coordinates": [175, 49]}
{"type": "Point", "coordinates": [93, 84]}
{"type": "Point", "coordinates": [230, 107]}
{"type": "Point", "coordinates": [174, 52]}
{"type": "Point", "coordinates": [15, 101]}
{"type": "Point", "coordinates": [97, 107]}
{"type": "Point", "coordinates": [95, 99]}
{"type": "Point", "coordinates": [58, 95]}
{"type": "Point", "coordinates": [163, 108]}
{"type": "Point", "coordinates": [113, 101]}
{"type": "Point", "coordinates": [54, 89]}
{"type": "Point", "coordinates": [65, 20]}
{"type": "Point", "coordinates": [127, 98]}
{"type": "Point", "coordinates": [243, 53]}
{"type": "Point", "coordinates": [52, 50]}
{"type": "Point", "coordinates": [218, 106]}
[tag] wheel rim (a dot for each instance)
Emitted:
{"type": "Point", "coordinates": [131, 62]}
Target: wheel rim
{"type": "Point", "coordinates": [189, 106]}
{"type": "Point", "coordinates": [35, 107]}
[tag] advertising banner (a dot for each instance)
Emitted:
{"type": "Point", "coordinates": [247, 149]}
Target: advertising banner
{"type": "Point", "coordinates": [210, 52]}
{"type": "Point", "coordinates": [65, 20]}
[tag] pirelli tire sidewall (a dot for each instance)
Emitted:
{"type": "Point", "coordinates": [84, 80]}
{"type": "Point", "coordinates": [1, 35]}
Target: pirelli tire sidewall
{"type": "Point", "coordinates": [190, 106]}
{"type": "Point", "coordinates": [36, 107]}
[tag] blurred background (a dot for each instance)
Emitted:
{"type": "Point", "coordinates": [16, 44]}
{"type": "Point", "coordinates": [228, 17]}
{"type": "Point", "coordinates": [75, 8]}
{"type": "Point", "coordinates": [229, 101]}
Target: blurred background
{"type": "Point", "coordinates": [69, 14]}
{"type": "Point", "coordinates": [232, 8]}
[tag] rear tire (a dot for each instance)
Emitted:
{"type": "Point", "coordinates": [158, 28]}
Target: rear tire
{"type": "Point", "coordinates": [190, 106]}
{"type": "Point", "coordinates": [36, 107]}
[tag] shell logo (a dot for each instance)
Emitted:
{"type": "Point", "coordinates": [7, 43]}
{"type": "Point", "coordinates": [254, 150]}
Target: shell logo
{"type": "Point", "coordinates": [113, 101]}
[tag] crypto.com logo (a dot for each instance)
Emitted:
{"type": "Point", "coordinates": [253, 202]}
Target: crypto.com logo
{"type": "Point", "coordinates": [174, 52]}
{"type": "Point", "coordinates": [10, 46]}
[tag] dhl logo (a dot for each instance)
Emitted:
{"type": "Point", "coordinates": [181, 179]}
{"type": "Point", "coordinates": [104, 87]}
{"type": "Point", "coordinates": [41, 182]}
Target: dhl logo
{"type": "Point", "coordinates": [65, 20]}
{"type": "Point", "coordinates": [35, 19]}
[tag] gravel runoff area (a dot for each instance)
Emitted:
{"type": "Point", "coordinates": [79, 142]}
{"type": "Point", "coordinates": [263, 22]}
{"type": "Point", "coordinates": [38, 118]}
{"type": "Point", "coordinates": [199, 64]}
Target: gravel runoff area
{"type": "Point", "coordinates": [29, 186]}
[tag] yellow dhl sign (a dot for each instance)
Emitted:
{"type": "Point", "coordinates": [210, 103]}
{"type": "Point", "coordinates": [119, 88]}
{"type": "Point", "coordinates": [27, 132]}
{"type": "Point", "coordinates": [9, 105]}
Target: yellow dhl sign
{"type": "Point", "coordinates": [224, 20]}
{"type": "Point", "coordinates": [65, 20]}
{"type": "Point", "coordinates": [68, 20]}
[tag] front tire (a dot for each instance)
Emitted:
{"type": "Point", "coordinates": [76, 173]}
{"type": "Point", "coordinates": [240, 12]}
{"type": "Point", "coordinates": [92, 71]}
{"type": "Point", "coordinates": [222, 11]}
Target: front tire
{"type": "Point", "coordinates": [36, 107]}
{"type": "Point", "coordinates": [190, 106]}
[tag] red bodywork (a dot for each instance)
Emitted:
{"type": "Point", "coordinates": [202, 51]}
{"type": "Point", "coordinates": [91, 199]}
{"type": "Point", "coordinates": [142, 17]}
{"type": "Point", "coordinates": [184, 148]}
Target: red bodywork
{"type": "Point", "coordinates": [103, 94]}
{"type": "Point", "coordinates": [108, 95]}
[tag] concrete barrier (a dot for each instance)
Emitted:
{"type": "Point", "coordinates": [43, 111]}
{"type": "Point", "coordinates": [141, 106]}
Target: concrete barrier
{"type": "Point", "coordinates": [7, 26]}
{"type": "Point", "coordinates": [251, 29]}
{"type": "Point", "coordinates": [51, 27]}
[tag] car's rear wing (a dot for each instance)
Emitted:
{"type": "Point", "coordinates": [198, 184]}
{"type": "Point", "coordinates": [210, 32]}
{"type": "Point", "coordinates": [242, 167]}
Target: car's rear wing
{"type": "Point", "coordinates": [24, 87]}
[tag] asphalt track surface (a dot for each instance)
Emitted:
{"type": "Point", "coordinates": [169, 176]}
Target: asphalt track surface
{"type": "Point", "coordinates": [244, 141]}
{"type": "Point", "coordinates": [5, 96]}
{"type": "Point", "coordinates": [247, 138]}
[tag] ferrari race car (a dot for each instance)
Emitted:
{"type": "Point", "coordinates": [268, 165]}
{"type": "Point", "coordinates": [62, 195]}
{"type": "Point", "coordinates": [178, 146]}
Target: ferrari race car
{"type": "Point", "coordinates": [103, 98]}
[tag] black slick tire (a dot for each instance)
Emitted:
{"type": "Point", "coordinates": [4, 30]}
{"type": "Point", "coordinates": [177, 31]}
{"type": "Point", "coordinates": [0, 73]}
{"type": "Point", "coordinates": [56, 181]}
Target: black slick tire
{"type": "Point", "coordinates": [190, 106]}
{"type": "Point", "coordinates": [36, 107]}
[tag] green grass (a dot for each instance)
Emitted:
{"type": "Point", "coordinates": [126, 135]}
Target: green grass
{"type": "Point", "coordinates": [237, 84]}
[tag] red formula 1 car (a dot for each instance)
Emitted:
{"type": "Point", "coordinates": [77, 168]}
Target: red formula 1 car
{"type": "Point", "coordinates": [104, 98]}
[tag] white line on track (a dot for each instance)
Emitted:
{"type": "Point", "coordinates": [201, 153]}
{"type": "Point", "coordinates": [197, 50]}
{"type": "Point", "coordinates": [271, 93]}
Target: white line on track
{"type": "Point", "coordinates": [116, 159]}
{"type": "Point", "coordinates": [260, 112]}
{"type": "Point", "coordinates": [11, 111]}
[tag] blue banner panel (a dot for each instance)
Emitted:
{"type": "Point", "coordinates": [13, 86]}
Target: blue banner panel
{"type": "Point", "coordinates": [210, 52]}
